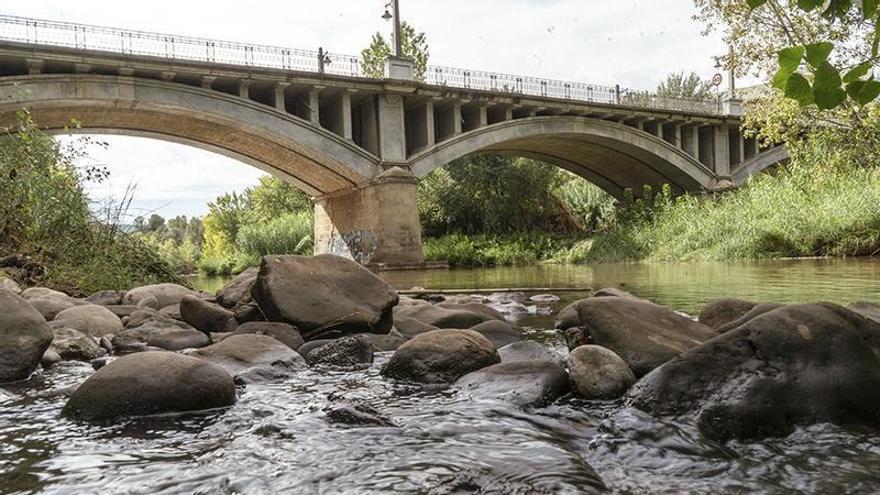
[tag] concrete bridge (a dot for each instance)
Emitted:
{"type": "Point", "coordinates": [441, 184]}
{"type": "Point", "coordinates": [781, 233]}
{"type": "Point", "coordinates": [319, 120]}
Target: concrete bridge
{"type": "Point", "coordinates": [358, 145]}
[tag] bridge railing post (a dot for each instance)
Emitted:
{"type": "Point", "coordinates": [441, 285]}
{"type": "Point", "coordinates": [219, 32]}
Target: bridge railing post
{"type": "Point", "coordinates": [617, 94]}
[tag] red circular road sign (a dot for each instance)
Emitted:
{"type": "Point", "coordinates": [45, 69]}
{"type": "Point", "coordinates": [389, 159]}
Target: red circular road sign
{"type": "Point", "coordinates": [716, 79]}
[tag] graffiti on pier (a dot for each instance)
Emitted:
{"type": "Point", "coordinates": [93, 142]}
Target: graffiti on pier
{"type": "Point", "coordinates": [359, 245]}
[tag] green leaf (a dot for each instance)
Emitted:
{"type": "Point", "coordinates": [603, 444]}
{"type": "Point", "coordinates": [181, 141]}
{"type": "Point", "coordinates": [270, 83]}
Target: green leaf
{"type": "Point", "coordinates": [808, 5]}
{"type": "Point", "coordinates": [755, 3]}
{"type": "Point", "coordinates": [875, 43]}
{"type": "Point", "coordinates": [789, 61]}
{"type": "Point", "coordinates": [837, 8]}
{"type": "Point", "coordinates": [857, 72]}
{"type": "Point", "coordinates": [817, 53]}
{"type": "Point", "coordinates": [798, 88]}
{"type": "Point", "coordinates": [863, 92]}
{"type": "Point", "coordinates": [826, 87]}
{"type": "Point", "coordinates": [869, 8]}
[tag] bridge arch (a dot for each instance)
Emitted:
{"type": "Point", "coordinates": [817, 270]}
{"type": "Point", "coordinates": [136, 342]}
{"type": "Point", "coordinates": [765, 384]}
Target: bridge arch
{"type": "Point", "coordinates": [613, 156]}
{"type": "Point", "coordinates": [316, 160]}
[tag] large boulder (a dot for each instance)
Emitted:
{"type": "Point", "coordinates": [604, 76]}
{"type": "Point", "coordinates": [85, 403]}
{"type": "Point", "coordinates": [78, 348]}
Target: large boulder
{"type": "Point", "coordinates": [794, 365]}
{"type": "Point", "coordinates": [644, 334]}
{"type": "Point", "coordinates": [615, 292]}
{"type": "Point", "coordinates": [74, 345]}
{"type": "Point", "coordinates": [164, 294]}
{"type": "Point", "coordinates": [723, 311]}
{"type": "Point", "coordinates": [49, 307]}
{"type": "Point", "coordinates": [253, 358]}
{"type": "Point", "coordinates": [529, 350]}
{"type": "Point", "coordinates": [282, 332]}
{"type": "Point", "coordinates": [324, 294]}
{"type": "Point", "coordinates": [442, 317]}
{"type": "Point", "coordinates": [38, 292]}
{"type": "Point", "coordinates": [498, 332]}
{"type": "Point", "coordinates": [441, 356]}
{"type": "Point", "coordinates": [91, 319]}
{"type": "Point", "coordinates": [758, 310]}
{"type": "Point", "coordinates": [238, 291]}
{"type": "Point", "coordinates": [343, 353]}
{"type": "Point", "coordinates": [523, 383]}
{"type": "Point", "coordinates": [151, 383]}
{"type": "Point", "coordinates": [24, 337]}
{"type": "Point", "coordinates": [599, 373]}
{"type": "Point", "coordinates": [206, 316]}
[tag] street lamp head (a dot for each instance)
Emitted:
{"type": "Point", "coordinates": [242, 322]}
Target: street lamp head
{"type": "Point", "coordinates": [387, 15]}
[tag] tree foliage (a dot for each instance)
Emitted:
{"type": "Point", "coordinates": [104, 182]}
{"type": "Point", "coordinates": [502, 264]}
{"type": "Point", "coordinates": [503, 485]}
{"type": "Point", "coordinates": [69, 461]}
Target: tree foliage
{"type": "Point", "coordinates": [414, 45]}
{"type": "Point", "coordinates": [820, 52]}
{"type": "Point", "coordinates": [679, 85]}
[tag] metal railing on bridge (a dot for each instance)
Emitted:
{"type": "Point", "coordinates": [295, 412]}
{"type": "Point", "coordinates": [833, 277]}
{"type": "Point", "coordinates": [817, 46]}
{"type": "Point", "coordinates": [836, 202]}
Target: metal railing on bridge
{"type": "Point", "coordinates": [129, 42]}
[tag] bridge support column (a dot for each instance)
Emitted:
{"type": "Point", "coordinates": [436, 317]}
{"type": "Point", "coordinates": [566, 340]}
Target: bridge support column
{"type": "Point", "coordinates": [377, 226]}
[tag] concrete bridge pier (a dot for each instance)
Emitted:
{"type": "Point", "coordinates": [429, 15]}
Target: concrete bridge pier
{"type": "Point", "coordinates": [376, 225]}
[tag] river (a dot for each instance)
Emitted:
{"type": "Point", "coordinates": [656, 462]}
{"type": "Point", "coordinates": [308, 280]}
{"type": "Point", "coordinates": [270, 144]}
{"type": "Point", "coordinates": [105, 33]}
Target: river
{"type": "Point", "coordinates": [278, 439]}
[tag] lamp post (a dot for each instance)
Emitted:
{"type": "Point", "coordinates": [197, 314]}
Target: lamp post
{"type": "Point", "coordinates": [398, 50]}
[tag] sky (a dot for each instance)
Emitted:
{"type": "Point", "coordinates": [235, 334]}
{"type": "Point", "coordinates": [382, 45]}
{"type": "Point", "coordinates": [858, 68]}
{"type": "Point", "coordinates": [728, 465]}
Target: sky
{"type": "Point", "coordinates": [631, 43]}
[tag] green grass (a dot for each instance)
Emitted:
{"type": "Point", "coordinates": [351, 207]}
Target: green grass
{"type": "Point", "coordinates": [801, 211]}
{"type": "Point", "coordinates": [496, 250]}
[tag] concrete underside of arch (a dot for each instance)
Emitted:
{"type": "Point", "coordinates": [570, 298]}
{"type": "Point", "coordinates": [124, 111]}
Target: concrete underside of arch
{"type": "Point", "coordinates": [613, 156]}
{"type": "Point", "coordinates": [314, 159]}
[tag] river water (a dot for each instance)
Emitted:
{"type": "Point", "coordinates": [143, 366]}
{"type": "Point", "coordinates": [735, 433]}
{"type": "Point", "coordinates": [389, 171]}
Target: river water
{"type": "Point", "coordinates": [278, 438]}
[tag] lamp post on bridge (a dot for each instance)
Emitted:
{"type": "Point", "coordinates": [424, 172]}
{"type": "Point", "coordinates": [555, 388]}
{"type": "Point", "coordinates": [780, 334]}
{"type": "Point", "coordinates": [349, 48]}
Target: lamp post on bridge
{"type": "Point", "coordinates": [397, 66]}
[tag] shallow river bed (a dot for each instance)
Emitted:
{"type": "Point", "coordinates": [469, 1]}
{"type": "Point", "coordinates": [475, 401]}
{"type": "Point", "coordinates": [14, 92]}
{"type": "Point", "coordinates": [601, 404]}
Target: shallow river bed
{"type": "Point", "coordinates": [278, 438]}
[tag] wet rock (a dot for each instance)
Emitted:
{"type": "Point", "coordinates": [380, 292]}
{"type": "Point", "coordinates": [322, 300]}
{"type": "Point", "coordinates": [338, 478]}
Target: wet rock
{"type": "Point", "coordinates": [106, 298]}
{"type": "Point", "coordinates": [206, 316]}
{"type": "Point", "coordinates": [49, 307]}
{"type": "Point", "coordinates": [24, 337]}
{"type": "Point", "coordinates": [164, 294]}
{"type": "Point", "coordinates": [644, 334]}
{"type": "Point", "coordinates": [599, 373]}
{"type": "Point", "coordinates": [384, 343]}
{"type": "Point", "coordinates": [441, 317]}
{"type": "Point", "coordinates": [722, 311]}
{"type": "Point", "coordinates": [344, 352]}
{"type": "Point", "coordinates": [282, 332]}
{"type": "Point", "coordinates": [159, 333]}
{"type": "Point", "coordinates": [91, 319]}
{"type": "Point", "coordinates": [529, 350]}
{"type": "Point", "coordinates": [99, 363]}
{"type": "Point", "coordinates": [756, 311]}
{"type": "Point", "coordinates": [73, 345]}
{"type": "Point", "coordinates": [498, 332]}
{"type": "Point", "coordinates": [238, 291]}
{"type": "Point", "coordinates": [794, 365]}
{"type": "Point", "coordinates": [39, 292]}
{"type": "Point", "coordinates": [474, 308]}
{"type": "Point", "coordinates": [867, 309]}
{"type": "Point", "coordinates": [50, 358]}
{"type": "Point", "coordinates": [151, 383]}
{"type": "Point", "coordinates": [320, 294]}
{"type": "Point", "coordinates": [410, 327]}
{"type": "Point", "coordinates": [10, 285]}
{"type": "Point", "coordinates": [616, 292]}
{"type": "Point", "coordinates": [172, 311]}
{"type": "Point", "coordinates": [441, 356]}
{"type": "Point", "coordinates": [253, 358]}
{"type": "Point", "coordinates": [311, 345]}
{"type": "Point", "coordinates": [122, 310]}
{"type": "Point", "coordinates": [356, 414]}
{"type": "Point", "coordinates": [523, 383]}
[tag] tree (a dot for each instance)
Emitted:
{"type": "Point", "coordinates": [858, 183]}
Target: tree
{"type": "Point", "coordinates": [413, 44]}
{"type": "Point", "coordinates": [155, 223]}
{"type": "Point", "coordinates": [821, 52]}
{"type": "Point", "coordinates": [677, 85]}
{"type": "Point", "coordinates": [273, 197]}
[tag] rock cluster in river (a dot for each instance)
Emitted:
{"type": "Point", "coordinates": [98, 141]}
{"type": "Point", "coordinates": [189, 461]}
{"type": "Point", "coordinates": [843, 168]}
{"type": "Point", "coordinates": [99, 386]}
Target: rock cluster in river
{"type": "Point", "coordinates": [743, 370]}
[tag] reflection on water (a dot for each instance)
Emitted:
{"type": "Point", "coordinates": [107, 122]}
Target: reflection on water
{"type": "Point", "coordinates": [278, 439]}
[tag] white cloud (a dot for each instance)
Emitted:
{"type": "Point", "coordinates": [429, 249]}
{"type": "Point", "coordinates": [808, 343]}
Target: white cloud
{"type": "Point", "coordinates": [632, 43]}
